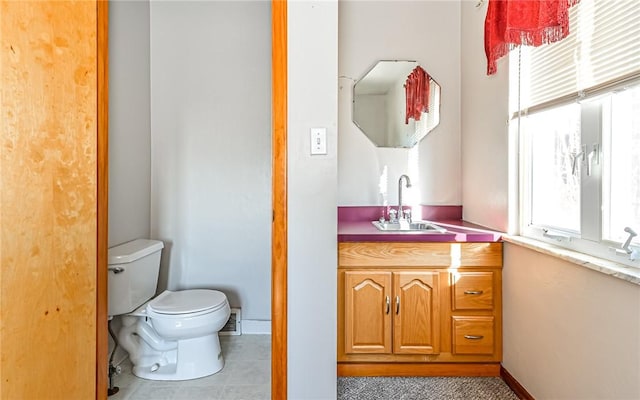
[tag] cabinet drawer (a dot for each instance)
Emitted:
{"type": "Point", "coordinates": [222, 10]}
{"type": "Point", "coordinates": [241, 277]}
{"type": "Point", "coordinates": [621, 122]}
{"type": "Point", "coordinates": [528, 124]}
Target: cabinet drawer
{"type": "Point", "coordinates": [472, 291]}
{"type": "Point", "coordinates": [473, 335]}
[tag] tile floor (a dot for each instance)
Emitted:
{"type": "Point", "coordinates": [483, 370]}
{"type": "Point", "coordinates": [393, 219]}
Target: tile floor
{"type": "Point", "coordinates": [246, 375]}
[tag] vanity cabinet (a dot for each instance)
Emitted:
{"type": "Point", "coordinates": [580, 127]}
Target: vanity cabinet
{"type": "Point", "coordinates": [389, 312]}
{"type": "Point", "coordinates": [419, 308]}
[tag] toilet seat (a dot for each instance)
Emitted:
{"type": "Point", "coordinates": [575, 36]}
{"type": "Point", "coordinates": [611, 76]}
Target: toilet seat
{"type": "Point", "coordinates": [193, 302]}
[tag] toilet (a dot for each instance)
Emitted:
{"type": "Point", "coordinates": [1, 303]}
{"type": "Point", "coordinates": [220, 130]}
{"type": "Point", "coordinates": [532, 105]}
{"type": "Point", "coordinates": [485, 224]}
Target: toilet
{"type": "Point", "coordinates": [173, 336]}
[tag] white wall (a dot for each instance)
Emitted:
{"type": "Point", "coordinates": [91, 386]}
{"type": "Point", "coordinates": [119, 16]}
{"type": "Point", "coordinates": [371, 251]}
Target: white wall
{"type": "Point", "coordinates": [129, 121]}
{"type": "Point", "coordinates": [424, 31]}
{"type": "Point", "coordinates": [485, 142]}
{"type": "Point", "coordinates": [211, 148]}
{"type": "Point", "coordinates": [569, 332]}
{"type": "Point", "coordinates": [312, 230]}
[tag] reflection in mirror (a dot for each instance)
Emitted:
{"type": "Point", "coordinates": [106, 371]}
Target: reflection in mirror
{"type": "Point", "coordinates": [396, 104]}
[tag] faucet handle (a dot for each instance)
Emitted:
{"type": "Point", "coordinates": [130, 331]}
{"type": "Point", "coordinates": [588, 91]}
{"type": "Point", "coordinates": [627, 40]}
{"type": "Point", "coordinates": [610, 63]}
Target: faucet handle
{"type": "Point", "coordinates": [407, 214]}
{"type": "Point", "coordinates": [393, 215]}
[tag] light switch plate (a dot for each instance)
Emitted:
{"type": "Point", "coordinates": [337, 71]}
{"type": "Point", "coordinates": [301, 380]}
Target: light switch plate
{"type": "Point", "coordinates": [318, 140]}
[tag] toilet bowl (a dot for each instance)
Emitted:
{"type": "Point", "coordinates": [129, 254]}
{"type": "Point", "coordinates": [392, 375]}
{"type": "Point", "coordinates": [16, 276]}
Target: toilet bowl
{"type": "Point", "coordinates": [173, 336]}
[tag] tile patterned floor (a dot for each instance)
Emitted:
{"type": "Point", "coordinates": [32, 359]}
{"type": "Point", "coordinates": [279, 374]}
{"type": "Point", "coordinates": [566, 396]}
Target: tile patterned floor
{"type": "Point", "coordinates": [246, 375]}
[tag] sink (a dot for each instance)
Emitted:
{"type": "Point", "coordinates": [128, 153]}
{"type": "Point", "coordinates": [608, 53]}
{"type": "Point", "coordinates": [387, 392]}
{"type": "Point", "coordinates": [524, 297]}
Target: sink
{"type": "Point", "coordinates": [421, 226]}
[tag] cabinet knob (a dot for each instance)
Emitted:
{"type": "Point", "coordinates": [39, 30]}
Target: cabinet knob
{"type": "Point", "coordinates": [476, 292]}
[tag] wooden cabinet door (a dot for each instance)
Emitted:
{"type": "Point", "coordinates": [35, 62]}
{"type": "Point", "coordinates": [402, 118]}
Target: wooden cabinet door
{"type": "Point", "coordinates": [367, 296]}
{"type": "Point", "coordinates": [416, 327]}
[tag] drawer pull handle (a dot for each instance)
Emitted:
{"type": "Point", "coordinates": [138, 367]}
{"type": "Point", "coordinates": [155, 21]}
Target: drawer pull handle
{"type": "Point", "coordinates": [473, 292]}
{"type": "Point", "coordinates": [397, 304]}
{"type": "Point", "coordinates": [388, 305]}
{"type": "Point", "coordinates": [473, 337]}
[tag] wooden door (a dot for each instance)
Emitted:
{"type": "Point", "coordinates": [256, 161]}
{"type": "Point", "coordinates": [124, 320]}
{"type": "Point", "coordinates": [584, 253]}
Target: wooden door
{"type": "Point", "coordinates": [416, 327]}
{"type": "Point", "coordinates": [49, 240]}
{"type": "Point", "coordinates": [367, 302]}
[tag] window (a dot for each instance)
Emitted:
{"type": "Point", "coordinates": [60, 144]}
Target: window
{"type": "Point", "coordinates": [621, 179]}
{"type": "Point", "coordinates": [577, 107]}
{"type": "Point", "coordinates": [552, 138]}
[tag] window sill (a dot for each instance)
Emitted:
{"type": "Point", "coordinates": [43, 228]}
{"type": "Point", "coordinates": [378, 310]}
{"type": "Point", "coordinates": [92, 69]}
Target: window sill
{"type": "Point", "coordinates": [611, 268]}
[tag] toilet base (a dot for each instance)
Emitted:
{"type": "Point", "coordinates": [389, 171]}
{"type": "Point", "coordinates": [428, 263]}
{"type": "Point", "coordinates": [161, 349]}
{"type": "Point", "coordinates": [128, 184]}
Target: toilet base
{"type": "Point", "coordinates": [194, 358]}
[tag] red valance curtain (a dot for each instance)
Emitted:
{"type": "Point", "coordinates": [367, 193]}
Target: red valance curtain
{"type": "Point", "coordinates": [417, 89]}
{"type": "Point", "coordinates": [511, 23]}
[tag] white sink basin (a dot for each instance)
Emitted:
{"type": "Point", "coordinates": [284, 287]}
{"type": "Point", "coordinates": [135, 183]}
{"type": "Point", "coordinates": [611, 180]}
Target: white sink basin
{"type": "Point", "coordinates": [422, 226]}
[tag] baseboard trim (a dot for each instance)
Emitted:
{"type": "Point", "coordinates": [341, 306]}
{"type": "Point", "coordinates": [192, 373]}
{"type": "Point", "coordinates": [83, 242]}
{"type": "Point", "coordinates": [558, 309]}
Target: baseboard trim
{"type": "Point", "coordinates": [514, 385]}
{"type": "Point", "coordinates": [419, 369]}
{"type": "Point", "coordinates": [255, 327]}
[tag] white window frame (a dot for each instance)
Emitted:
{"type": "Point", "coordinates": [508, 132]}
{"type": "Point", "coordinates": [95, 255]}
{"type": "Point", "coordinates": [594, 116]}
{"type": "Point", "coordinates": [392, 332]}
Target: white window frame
{"type": "Point", "coordinates": [594, 111]}
{"type": "Point", "coordinates": [600, 56]}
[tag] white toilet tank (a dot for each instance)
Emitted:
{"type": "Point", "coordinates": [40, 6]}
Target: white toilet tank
{"type": "Point", "coordinates": [133, 274]}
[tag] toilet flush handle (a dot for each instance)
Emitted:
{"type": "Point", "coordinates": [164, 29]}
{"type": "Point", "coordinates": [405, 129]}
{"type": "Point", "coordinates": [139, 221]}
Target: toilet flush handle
{"type": "Point", "coordinates": [116, 270]}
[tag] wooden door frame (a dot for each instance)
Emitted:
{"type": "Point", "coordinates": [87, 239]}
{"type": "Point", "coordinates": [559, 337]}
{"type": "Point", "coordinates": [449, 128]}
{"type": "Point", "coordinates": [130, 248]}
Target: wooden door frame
{"type": "Point", "coordinates": [279, 199]}
{"type": "Point", "coordinates": [102, 198]}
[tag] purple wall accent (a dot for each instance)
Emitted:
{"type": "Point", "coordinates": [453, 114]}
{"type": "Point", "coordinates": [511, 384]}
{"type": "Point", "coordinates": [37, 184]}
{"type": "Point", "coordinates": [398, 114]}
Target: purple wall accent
{"type": "Point", "coordinates": [360, 213]}
{"type": "Point", "coordinates": [373, 213]}
{"type": "Point", "coordinates": [442, 213]}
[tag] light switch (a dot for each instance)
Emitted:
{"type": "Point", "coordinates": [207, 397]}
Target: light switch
{"type": "Point", "coordinates": [318, 140]}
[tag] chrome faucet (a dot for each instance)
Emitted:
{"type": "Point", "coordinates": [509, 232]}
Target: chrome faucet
{"type": "Point", "coordinates": [408, 185]}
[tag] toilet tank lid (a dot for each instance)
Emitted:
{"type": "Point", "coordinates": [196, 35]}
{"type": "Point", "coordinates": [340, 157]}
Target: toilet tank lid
{"type": "Point", "coordinates": [133, 250]}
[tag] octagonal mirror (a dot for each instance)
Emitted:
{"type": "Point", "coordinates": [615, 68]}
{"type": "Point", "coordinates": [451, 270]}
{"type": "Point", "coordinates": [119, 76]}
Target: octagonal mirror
{"type": "Point", "coordinates": [396, 103]}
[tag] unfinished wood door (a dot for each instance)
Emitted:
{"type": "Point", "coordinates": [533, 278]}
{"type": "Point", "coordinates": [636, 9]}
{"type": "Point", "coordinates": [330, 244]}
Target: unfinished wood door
{"type": "Point", "coordinates": [48, 200]}
{"type": "Point", "coordinates": [367, 305]}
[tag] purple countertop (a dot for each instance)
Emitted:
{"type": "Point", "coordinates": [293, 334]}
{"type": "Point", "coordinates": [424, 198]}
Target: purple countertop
{"type": "Point", "coordinates": [354, 225]}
